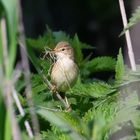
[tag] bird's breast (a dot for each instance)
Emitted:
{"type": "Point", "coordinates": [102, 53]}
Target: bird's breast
{"type": "Point", "coordinates": [64, 74]}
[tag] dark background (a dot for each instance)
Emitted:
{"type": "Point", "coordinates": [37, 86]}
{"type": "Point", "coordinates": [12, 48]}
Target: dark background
{"type": "Point", "coordinates": [97, 22]}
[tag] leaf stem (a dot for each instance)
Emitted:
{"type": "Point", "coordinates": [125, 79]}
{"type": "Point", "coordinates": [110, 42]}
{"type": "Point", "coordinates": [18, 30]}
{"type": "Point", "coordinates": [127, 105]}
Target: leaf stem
{"type": "Point", "coordinates": [7, 85]}
{"type": "Point", "coordinates": [26, 69]}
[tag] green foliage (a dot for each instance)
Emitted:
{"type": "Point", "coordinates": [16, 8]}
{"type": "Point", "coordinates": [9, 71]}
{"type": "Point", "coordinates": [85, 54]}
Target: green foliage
{"type": "Point", "coordinates": [50, 39]}
{"type": "Point", "coordinates": [133, 20]}
{"type": "Point", "coordinates": [97, 106]}
{"type": "Point", "coordinates": [2, 116]}
{"type": "Point", "coordinates": [58, 119]}
{"type": "Point", "coordinates": [8, 40]}
{"type": "Point", "coordinates": [78, 49]}
{"type": "Point", "coordinates": [119, 67]}
{"type": "Point", "coordinates": [8, 126]}
{"type": "Point", "coordinates": [92, 90]}
{"type": "Point", "coordinates": [10, 11]}
{"type": "Point", "coordinates": [99, 64]}
{"type": "Point", "coordinates": [99, 109]}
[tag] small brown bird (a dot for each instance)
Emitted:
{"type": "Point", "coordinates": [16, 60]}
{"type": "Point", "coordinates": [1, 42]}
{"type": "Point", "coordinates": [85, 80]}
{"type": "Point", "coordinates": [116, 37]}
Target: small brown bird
{"type": "Point", "coordinates": [64, 72]}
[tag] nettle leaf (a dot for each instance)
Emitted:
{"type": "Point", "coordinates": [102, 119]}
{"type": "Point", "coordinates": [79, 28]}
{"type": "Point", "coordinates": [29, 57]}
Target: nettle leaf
{"type": "Point", "coordinates": [119, 67]}
{"type": "Point", "coordinates": [48, 40]}
{"type": "Point", "coordinates": [99, 64]}
{"type": "Point", "coordinates": [101, 114]}
{"type": "Point", "coordinates": [76, 123]}
{"type": "Point", "coordinates": [78, 49]}
{"type": "Point", "coordinates": [39, 43]}
{"type": "Point", "coordinates": [133, 20]}
{"type": "Point", "coordinates": [127, 115]}
{"type": "Point", "coordinates": [60, 36]}
{"type": "Point", "coordinates": [50, 135]}
{"type": "Point", "coordinates": [60, 121]}
{"type": "Point", "coordinates": [92, 90]}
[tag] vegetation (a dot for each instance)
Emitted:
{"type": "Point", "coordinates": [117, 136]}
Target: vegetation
{"type": "Point", "coordinates": [100, 109]}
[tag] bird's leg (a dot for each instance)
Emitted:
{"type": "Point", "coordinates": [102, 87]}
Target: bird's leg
{"type": "Point", "coordinates": [53, 88]}
{"type": "Point", "coordinates": [69, 107]}
{"type": "Point", "coordinates": [62, 98]}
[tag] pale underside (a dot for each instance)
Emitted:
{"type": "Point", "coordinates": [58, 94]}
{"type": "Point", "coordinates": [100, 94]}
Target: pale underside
{"type": "Point", "coordinates": [64, 74]}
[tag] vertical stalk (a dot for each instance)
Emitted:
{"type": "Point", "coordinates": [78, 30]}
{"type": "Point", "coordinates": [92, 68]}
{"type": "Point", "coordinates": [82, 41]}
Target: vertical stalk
{"type": "Point", "coordinates": [4, 45]}
{"type": "Point", "coordinates": [22, 113]}
{"type": "Point", "coordinates": [127, 36]}
{"type": "Point", "coordinates": [25, 65]}
{"type": "Point", "coordinates": [7, 90]}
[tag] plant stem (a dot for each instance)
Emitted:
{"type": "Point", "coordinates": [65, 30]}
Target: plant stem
{"type": "Point", "coordinates": [22, 113]}
{"type": "Point", "coordinates": [25, 65]}
{"type": "Point", "coordinates": [4, 44]}
{"type": "Point", "coordinates": [127, 36]}
{"type": "Point", "coordinates": [7, 85]}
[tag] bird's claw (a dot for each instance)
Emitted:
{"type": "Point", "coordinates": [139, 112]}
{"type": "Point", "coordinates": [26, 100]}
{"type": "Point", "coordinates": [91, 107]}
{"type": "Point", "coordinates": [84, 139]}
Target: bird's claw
{"type": "Point", "coordinates": [69, 109]}
{"type": "Point", "coordinates": [53, 89]}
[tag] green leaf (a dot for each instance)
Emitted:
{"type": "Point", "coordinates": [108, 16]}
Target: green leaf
{"type": "Point", "coordinates": [61, 36]}
{"type": "Point", "coordinates": [58, 120]}
{"type": "Point", "coordinates": [1, 48]}
{"type": "Point", "coordinates": [132, 21]}
{"type": "Point", "coordinates": [99, 64]}
{"type": "Point", "coordinates": [35, 61]}
{"type": "Point", "coordinates": [11, 14]}
{"type": "Point", "coordinates": [2, 117]}
{"type": "Point", "coordinates": [127, 116]}
{"type": "Point", "coordinates": [100, 117]}
{"type": "Point", "coordinates": [92, 90]}
{"type": "Point", "coordinates": [7, 130]}
{"type": "Point", "coordinates": [77, 45]}
{"type": "Point", "coordinates": [119, 67]}
{"type": "Point", "coordinates": [49, 39]}
{"type": "Point", "coordinates": [38, 44]}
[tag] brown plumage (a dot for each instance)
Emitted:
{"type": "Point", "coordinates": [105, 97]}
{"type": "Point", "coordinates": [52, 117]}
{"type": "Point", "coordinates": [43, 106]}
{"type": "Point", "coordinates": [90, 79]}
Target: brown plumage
{"type": "Point", "coordinates": [64, 72]}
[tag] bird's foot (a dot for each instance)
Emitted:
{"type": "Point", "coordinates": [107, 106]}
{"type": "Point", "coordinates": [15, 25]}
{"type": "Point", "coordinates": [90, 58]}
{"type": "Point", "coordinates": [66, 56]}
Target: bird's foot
{"type": "Point", "coordinates": [53, 89]}
{"type": "Point", "coordinates": [69, 109]}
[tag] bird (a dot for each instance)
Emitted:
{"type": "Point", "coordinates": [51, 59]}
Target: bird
{"type": "Point", "coordinates": [64, 72]}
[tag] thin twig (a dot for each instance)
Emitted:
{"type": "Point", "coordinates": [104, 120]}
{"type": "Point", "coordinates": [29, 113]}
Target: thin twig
{"type": "Point", "coordinates": [22, 113]}
{"type": "Point", "coordinates": [16, 76]}
{"type": "Point", "coordinates": [9, 105]}
{"type": "Point", "coordinates": [7, 86]}
{"type": "Point", "coordinates": [25, 65]}
{"type": "Point", "coordinates": [50, 86]}
{"type": "Point", "coordinates": [127, 36]}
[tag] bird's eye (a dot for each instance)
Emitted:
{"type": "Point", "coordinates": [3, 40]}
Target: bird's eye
{"type": "Point", "coordinates": [63, 49]}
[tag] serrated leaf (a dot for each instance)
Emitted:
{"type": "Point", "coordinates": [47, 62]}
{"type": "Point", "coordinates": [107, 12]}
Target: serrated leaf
{"type": "Point", "coordinates": [92, 90]}
{"type": "Point", "coordinates": [99, 64]}
{"type": "Point", "coordinates": [78, 49]}
{"type": "Point", "coordinates": [102, 117]}
{"type": "Point", "coordinates": [39, 43]}
{"type": "Point", "coordinates": [119, 67]}
{"type": "Point", "coordinates": [57, 119]}
{"type": "Point", "coordinates": [132, 21]}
